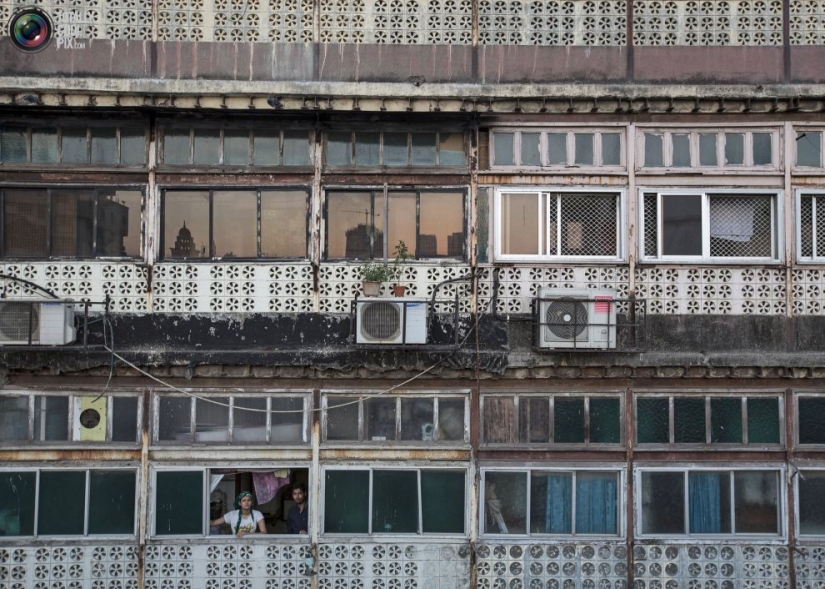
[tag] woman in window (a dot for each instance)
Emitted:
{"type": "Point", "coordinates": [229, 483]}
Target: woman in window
{"type": "Point", "coordinates": [243, 520]}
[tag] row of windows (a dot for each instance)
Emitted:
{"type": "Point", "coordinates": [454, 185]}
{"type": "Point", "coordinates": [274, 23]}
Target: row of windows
{"type": "Point", "coordinates": [673, 502]}
{"type": "Point", "coordinates": [530, 419]}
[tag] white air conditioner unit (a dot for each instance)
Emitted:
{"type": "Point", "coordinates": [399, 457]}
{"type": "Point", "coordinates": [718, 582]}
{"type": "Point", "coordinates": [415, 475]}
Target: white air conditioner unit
{"type": "Point", "coordinates": [577, 318]}
{"type": "Point", "coordinates": [391, 321]}
{"type": "Point", "coordinates": [48, 322]}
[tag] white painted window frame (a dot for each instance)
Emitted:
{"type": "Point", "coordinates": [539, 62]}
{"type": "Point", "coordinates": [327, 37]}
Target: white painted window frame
{"type": "Point", "coordinates": [799, 193]}
{"type": "Point", "coordinates": [570, 133]}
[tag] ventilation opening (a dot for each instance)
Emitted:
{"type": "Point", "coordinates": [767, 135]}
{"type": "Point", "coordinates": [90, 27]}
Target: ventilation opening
{"type": "Point", "coordinates": [381, 321]}
{"type": "Point", "coordinates": [14, 321]}
{"type": "Point", "coordinates": [566, 320]}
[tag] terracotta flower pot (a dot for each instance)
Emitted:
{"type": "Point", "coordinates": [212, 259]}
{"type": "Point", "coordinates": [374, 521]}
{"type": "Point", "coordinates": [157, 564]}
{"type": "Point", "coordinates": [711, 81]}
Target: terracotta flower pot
{"type": "Point", "coordinates": [399, 290]}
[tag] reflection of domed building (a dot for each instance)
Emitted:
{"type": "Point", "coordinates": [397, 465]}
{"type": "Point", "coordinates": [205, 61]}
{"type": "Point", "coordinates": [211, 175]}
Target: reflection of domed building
{"type": "Point", "coordinates": [184, 244]}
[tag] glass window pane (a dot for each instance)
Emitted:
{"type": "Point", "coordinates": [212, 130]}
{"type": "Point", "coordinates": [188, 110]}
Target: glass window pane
{"type": "Point", "coordinates": [176, 146]}
{"type": "Point", "coordinates": [235, 225]}
{"type": "Point", "coordinates": [441, 225]}
{"type": "Point", "coordinates": [367, 149]}
{"type": "Point", "coordinates": [24, 223]}
{"type": "Point", "coordinates": [349, 226]}
{"type": "Point", "coordinates": [339, 149]}
{"type": "Point", "coordinates": [762, 151]}
{"type": "Point", "coordinates": [283, 224]}
{"type": "Point", "coordinates": [808, 149]}
{"type": "Point", "coordinates": [654, 155]}
{"type": "Point", "coordinates": [342, 418]}
{"type": "Point", "coordinates": [611, 149]}
{"type": "Point", "coordinates": [763, 420]}
{"type": "Point", "coordinates": [811, 417]}
{"type": "Point", "coordinates": [709, 500]}
{"type": "Point", "coordinates": [174, 417]}
{"type": "Point", "coordinates": [73, 147]}
{"type": "Point", "coordinates": [520, 220]}
{"type": "Point", "coordinates": [417, 419]}
{"type": "Point", "coordinates": [346, 502]}
{"type": "Point", "coordinates": [73, 214]}
{"type": "Point", "coordinates": [111, 502]}
{"type": "Point", "coordinates": [17, 493]}
{"type": "Point", "coordinates": [442, 501]}
{"type": "Point", "coordinates": [394, 502]}
{"type": "Point", "coordinates": [557, 149]}
{"type": "Point", "coordinates": [604, 421]}
{"type": "Point", "coordinates": [500, 420]}
{"type": "Point", "coordinates": [44, 145]}
{"type": "Point", "coordinates": [726, 421]}
{"type": "Point", "coordinates": [450, 419]}
{"type": "Point", "coordinates": [423, 149]}
{"type": "Point", "coordinates": [61, 505]}
{"type": "Point", "coordinates": [287, 419]}
{"type": "Point", "coordinates": [652, 421]}
{"type": "Point", "coordinates": [568, 421]}
{"type": "Point", "coordinates": [551, 503]}
{"type": "Point", "coordinates": [207, 146]}
{"type": "Point", "coordinates": [186, 224]}
{"type": "Point", "coordinates": [451, 149]}
{"type": "Point", "coordinates": [534, 420]}
{"type": "Point", "coordinates": [584, 149]}
{"type": "Point", "coordinates": [379, 419]}
{"type": "Point", "coordinates": [734, 149]}
{"type": "Point", "coordinates": [133, 146]}
{"type": "Point", "coordinates": [249, 426]}
{"type": "Point", "coordinates": [663, 503]}
{"type": "Point", "coordinates": [236, 147]}
{"type": "Point", "coordinates": [531, 149]}
{"type": "Point", "coordinates": [212, 420]}
{"type": "Point", "coordinates": [504, 154]}
{"type": "Point", "coordinates": [682, 225]}
{"type": "Point", "coordinates": [118, 223]}
{"type": "Point", "coordinates": [755, 496]}
{"type": "Point", "coordinates": [401, 226]}
{"type": "Point", "coordinates": [125, 419]}
{"type": "Point", "coordinates": [689, 421]}
{"type": "Point", "coordinates": [505, 502]}
{"type": "Point", "coordinates": [13, 141]}
{"type": "Point", "coordinates": [266, 148]}
{"type": "Point", "coordinates": [296, 148]}
{"type": "Point", "coordinates": [51, 418]}
{"type": "Point", "coordinates": [811, 506]}
{"type": "Point", "coordinates": [597, 503]}
{"type": "Point", "coordinates": [104, 145]}
{"type": "Point", "coordinates": [179, 503]}
{"type": "Point", "coordinates": [681, 151]}
{"type": "Point", "coordinates": [395, 149]}
{"type": "Point", "coordinates": [707, 149]}
{"type": "Point", "coordinates": [14, 419]}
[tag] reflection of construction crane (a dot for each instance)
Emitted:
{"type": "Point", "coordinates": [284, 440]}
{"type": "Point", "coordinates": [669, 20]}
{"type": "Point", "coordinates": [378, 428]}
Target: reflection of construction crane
{"type": "Point", "coordinates": [366, 215]}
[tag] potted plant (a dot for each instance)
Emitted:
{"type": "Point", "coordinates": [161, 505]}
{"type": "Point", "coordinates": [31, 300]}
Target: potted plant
{"type": "Point", "coordinates": [402, 254]}
{"type": "Point", "coordinates": [373, 273]}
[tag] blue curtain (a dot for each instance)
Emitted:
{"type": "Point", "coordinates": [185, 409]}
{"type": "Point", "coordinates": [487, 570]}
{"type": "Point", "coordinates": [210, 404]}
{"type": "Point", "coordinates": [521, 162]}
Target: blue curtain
{"type": "Point", "coordinates": [596, 504]}
{"type": "Point", "coordinates": [558, 518]}
{"type": "Point", "coordinates": [705, 494]}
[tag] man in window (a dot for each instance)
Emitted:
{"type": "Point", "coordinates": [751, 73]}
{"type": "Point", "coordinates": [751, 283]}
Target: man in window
{"type": "Point", "coordinates": [297, 520]}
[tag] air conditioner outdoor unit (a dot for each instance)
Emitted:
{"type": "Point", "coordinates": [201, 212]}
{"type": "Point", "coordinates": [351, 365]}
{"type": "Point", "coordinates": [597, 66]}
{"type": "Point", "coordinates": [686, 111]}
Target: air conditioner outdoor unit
{"type": "Point", "coordinates": [577, 318]}
{"type": "Point", "coordinates": [391, 321]}
{"type": "Point", "coordinates": [49, 323]}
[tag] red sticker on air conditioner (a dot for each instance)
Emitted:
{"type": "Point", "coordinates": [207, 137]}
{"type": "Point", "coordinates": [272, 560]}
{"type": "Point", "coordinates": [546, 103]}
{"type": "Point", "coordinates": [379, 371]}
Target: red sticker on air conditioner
{"type": "Point", "coordinates": [603, 303]}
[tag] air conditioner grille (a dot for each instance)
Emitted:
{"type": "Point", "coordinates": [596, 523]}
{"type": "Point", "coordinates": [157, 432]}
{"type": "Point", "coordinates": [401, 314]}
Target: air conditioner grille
{"type": "Point", "coordinates": [566, 319]}
{"type": "Point", "coordinates": [14, 321]}
{"type": "Point", "coordinates": [381, 320]}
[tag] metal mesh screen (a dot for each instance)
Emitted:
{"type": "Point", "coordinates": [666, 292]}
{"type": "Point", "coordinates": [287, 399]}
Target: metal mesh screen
{"type": "Point", "coordinates": [588, 225]}
{"type": "Point", "coordinates": [741, 226]}
{"type": "Point", "coordinates": [380, 320]}
{"type": "Point", "coordinates": [650, 226]}
{"type": "Point", "coordinates": [819, 226]}
{"type": "Point", "coordinates": [14, 321]}
{"type": "Point", "coordinates": [806, 227]}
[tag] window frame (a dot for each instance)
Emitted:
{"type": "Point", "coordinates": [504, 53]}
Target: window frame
{"type": "Point", "coordinates": [620, 471]}
{"type": "Point", "coordinates": [354, 165]}
{"type": "Point", "coordinates": [551, 397]}
{"type": "Point", "coordinates": [817, 194]}
{"type": "Point", "coordinates": [549, 191]}
{"type": "Point", "coordinates": [211, 190]}
{"type": "Point", "coordinates": [777, 230]}
{"type": "Point", "coordinates": [194, 396]}
{"type": "Point", "coordinates": [797, 129]}
{"type": "Point", "coordinates": [365, 395]}
{"type": "Point", "coordinates": [80, 467]}
{"type": "Point", "coordinates": [394, 467]}
{"type": "Point", "coordinates": [707, 397]}
{"type": "Point", "coordinates": [747, 165]}
{"type": "Point", "coordinates": [797, 421]}
{"type": "Point", "coordinates": [781, 501]}
{"type": "Point", "coordinates": [570, 148]}
{"type": "Point", "coordinates": [798, 478]}
{"type": "Point", "coordinates": [73, 415]}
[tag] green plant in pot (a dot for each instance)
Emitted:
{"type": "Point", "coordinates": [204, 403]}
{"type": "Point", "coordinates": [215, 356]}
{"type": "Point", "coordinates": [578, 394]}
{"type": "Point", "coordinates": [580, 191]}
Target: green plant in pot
{"type": "Point", "coordinates": [402, 254]}
{"type": "Point", "coordinates": [373, 273]}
